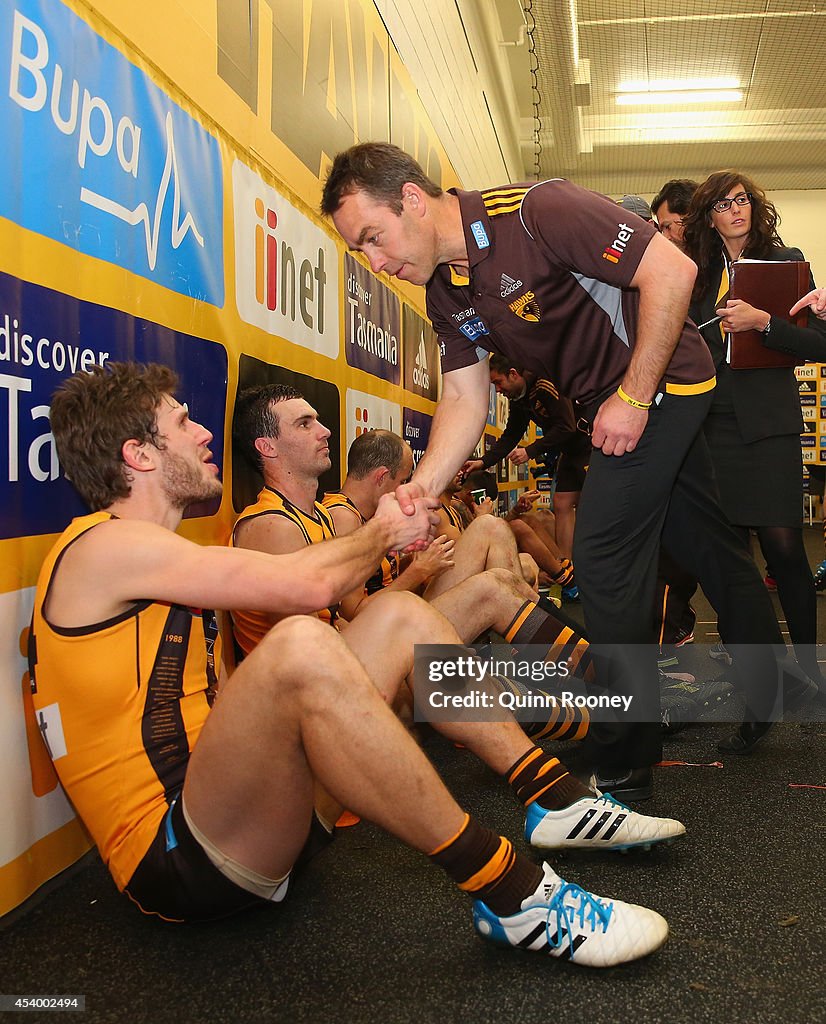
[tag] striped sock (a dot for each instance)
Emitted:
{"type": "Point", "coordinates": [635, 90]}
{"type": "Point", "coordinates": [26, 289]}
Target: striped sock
{"type": "Point", "coordinates": [533, 625]}
{"type": "Point", "coordinates": [564, 576]}
{"type": "Point", "coordinates": [487, 867]}
{"type": "Point", "coordinates": [558, 723]}
{"type": "Point", "coordinates": [540, 778]}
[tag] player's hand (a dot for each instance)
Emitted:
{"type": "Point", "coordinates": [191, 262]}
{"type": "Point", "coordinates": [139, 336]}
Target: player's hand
{"type": "Point", "coordinates": [406, 495]}
{"type": "Point", "coordinates": [618, 426]}
{"type": "Point", "coordinates": [436, 559]}
{"type": "Point", "coordinates": [524, 503]}
{"type": "Point", "coordinates": [470, 467]}
{"type": "Point", "coordinates": [518, 457]}
{"type": "Point", "coordinates": [815, 300]}
{"type": "Point", "coordinates": [483, 508]}
{"type": "Point", "coordinates": [738, 315]}
{"type": "Point", "coordinates": [409, 531]}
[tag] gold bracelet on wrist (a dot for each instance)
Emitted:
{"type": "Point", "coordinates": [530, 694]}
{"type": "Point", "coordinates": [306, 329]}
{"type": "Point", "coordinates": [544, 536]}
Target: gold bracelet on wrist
{"type": "Point", "coordinates": [632, 401]}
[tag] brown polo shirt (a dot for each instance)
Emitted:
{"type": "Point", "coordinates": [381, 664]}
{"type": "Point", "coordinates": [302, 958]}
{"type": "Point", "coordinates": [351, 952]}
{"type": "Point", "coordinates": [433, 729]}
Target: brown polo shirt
{"type": "Point", "coordinates": [550, 272]}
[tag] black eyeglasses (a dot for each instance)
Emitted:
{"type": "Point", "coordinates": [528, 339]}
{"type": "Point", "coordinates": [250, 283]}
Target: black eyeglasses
{"type": "Point", "coordinates": [742, 199]}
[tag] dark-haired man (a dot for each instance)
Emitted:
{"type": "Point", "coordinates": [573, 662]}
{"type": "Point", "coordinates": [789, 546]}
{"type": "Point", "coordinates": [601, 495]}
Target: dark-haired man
{"type": "Point", "coordinates": [670, 205]}
{"type": "Point", "coordinates": [203, 809]}
{"type": "Point", "coordinates": [537, 400]}
{"type": "Point", "coordinates": [569, 286]}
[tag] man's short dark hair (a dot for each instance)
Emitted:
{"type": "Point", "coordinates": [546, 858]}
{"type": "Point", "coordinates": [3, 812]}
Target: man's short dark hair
{"type": "Point", "coordinates": [378, 169]}
{"type": "Point", "coordinates": [255, 417]}
{"type": "Point", "coordinates": [479, 479]}
{"type": "Point", "coordinates": [677, 193]}
{"type": "Point", "coordinates": [501, 364]}
{"type": "Point", "coordinates": [372, 450]}
{"type": "Point", "coordinates": [93, 414]}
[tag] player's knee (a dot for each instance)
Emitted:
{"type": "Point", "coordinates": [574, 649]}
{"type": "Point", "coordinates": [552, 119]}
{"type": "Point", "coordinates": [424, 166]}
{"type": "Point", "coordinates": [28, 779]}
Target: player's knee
{"type": "Point", "coordinates": [530, 570]}
{"type": "Point", "coordinates": [488, 527]}
{"type": "Point", "coordinates": [518, 528]}
{"type": "Point", "coordinates": [403, 610]}
{"type": "Point", "coordinates": [499, 580]}
{"type": "Point", "coordinates": [288, 643]}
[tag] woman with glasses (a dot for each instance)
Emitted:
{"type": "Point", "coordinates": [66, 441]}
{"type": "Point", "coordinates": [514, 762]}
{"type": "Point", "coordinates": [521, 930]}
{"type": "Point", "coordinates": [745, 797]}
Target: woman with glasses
{"type": "Point", "coordinates": [754, 425]}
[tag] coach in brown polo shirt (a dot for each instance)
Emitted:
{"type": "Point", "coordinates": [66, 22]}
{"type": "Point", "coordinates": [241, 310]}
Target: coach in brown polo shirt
{"type": "Point", "coordinates": [569, 286]}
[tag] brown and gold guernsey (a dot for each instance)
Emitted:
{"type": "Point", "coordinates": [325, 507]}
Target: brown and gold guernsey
{"type": "Point", "coordinates": [120, 705]}
{"type": "Point", "coordinates": [453, 516]}
{"type": "Point", "coordinates": [388, 569]}
{"type": "Point", "coordinates": [549, 285]}
{"type": "Point", "coordinates": [250, 628]}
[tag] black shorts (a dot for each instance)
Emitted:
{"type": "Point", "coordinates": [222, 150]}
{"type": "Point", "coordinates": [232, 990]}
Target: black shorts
{"type": "Point", "coordinates": [177, 881]}
{"type": "Point", "coordinates": [573, 463]}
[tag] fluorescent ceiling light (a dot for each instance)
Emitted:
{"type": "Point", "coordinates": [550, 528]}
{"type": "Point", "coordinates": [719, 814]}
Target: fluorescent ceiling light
{"type": "Point", "coordinates": [695, 96]}
{"type": "Point", "coordinates": [679, 84]}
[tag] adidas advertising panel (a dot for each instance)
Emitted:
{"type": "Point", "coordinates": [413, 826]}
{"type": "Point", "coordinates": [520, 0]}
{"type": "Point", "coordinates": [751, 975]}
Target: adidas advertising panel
{"type": "Point", "coordinates": [421, 356]}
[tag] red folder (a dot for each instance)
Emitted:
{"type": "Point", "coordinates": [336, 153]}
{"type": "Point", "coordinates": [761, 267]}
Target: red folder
{"type": "Point", "coordinates": [774, 287]}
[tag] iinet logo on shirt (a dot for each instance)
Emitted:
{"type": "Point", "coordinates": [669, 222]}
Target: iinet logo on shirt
{"type": "Point", "coordinates": [613, 252]}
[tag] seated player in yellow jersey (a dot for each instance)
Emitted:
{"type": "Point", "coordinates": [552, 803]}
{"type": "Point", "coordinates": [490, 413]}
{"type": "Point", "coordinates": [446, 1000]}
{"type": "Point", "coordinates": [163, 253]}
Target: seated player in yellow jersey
{"type": "Point", "coordinates": [201, 809]}
{"type": "Point", "coordinates": [279, 431]}
{"type": "Point", "coordinates": [378, 460]}
{"type": "Point", "coordinates": [525, 523]}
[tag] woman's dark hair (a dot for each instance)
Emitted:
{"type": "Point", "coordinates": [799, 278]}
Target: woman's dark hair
{"type": "Point", "coordinates": [701, 241]}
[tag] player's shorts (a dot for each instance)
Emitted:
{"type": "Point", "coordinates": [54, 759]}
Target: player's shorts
{"type": "Point", "coordinates": [178, 882]}
{"type": "Point", "coordinates": [573, 463]}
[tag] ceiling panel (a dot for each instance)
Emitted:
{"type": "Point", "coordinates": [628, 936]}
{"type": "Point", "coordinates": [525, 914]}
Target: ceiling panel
{"type": "Point", "coordinates": [776, 48]}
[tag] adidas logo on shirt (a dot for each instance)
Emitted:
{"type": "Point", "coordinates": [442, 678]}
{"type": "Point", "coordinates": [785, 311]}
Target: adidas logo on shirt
{"type": "Point", "coordinates": [508, 286]}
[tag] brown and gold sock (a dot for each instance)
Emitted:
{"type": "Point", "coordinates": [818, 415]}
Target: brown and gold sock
{"type": "Point", "coordinates": [486, 867]}
{"type": "Point", "coordinates": [564, 576]}
{"type": "Point", "coordinates": [556, 721]}
{"type": "Point", "coordinates": [533, 625]}
{"type": "Point", "coordinates": [541, 778]}
{"type": "Point", "coordinates": [565, 646]}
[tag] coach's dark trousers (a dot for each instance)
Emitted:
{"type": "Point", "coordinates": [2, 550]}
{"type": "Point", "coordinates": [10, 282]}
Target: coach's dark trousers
{"type": "Point", "coordinates": [664, 489]}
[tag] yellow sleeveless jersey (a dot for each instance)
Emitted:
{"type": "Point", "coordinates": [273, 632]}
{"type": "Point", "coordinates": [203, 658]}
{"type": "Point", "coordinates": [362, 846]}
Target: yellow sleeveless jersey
{"type": "Point", "coordinates": [250, 628]}
{"type": "Point", "coordinates": [120, 705]}
{"type": "Point", "coordinates": [453, 516]}
{"type": "Point", "coordinates": [388, 569]}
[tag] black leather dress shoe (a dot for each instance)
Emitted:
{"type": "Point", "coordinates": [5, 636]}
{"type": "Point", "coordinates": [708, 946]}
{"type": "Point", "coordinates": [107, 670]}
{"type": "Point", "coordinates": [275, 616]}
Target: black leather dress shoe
{"type": "Point", "coordinates": [636, 784]}
{"type": "Point", "coordinates": [798, 692]}
{"type": "Point", "coordinates": [745, 739]}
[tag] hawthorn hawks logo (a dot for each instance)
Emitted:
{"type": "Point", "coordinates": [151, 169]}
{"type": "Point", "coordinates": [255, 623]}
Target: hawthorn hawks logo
{"type": "Point", "coordinates": [526, 307]}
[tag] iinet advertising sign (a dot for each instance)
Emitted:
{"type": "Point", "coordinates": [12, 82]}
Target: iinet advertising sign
{"type": "Point", "coordinates": [286, 267]}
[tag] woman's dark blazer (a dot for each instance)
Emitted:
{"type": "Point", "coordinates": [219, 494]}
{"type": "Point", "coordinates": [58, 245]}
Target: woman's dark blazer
{"type": "Point", "coordinates": [766, 401]}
